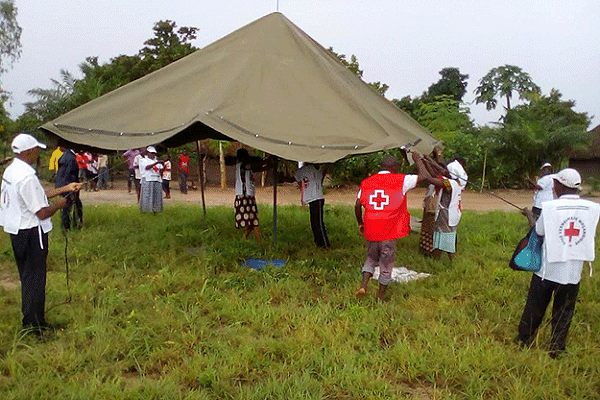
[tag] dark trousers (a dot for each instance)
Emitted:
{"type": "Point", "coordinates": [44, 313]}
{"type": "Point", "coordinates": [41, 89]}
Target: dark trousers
{"type": "Point", "coordinates": [65, 214]}
{"type": "Point", "coordinates": [31, 262]}
{"type": "Point", "coordinates": [183, 182]}
{"type": "Point", "coordinates": [130, 179]}
{"type": "Point", "coordinates": [166, 187]}
{"type": "Point", "coordinates": [316, 223]}
{"type": "Point", "coordinates": [563, 308]}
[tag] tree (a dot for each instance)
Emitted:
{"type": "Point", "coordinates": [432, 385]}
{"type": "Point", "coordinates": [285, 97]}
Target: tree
{"type": "Point", "coordinates": [443, 116]}
{"type": "Point", "coordinates": [546, 129]}
{"type": "Point", "coordinates": [502, 82]}
{"type": "Point", "coordinates": [168, 44]}
{"type": "Point", "coordinates": [52, 103]}
{"type": "Point", "coordinates": [10, 34]}
{"type": "Point", "coordinates": [452, 83]}
{"type": "Point", "coordinates": [353, 66]}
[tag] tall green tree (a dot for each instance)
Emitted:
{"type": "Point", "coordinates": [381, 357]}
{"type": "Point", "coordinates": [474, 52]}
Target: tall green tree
{"type": "Point", "coordinates": [502, 82]}
{"type": "Point", "coordinates": [452, 83]}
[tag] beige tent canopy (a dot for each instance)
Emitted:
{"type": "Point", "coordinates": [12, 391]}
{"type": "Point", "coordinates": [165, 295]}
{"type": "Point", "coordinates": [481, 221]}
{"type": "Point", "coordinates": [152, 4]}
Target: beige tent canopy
{"type": "Point", "coordinates": [268, 85]}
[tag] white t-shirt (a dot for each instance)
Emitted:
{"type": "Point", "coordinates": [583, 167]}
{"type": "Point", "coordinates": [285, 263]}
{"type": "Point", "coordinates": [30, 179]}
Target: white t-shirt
{"type": "Point", "coordinates": [311, 180]}
{"type": "Point", "coordinates": [540, 196]}
{"type": "Point", "coordinates": [166, 174]}
{"type": "Point", "coordinates": [22, 191]}
{"type": "Point", "coordinates": [410, 182]}
{"type": "Point", "coordinates": [249, 178]}
{"type": "Point", "coordinates": [136, 166]}
{"type": "Point", "coordinates": [153, 174]}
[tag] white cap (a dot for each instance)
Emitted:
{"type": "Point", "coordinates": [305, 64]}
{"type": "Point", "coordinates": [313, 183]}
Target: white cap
{"type": "Point", "coordinates": [568, 177]}
{"type": "Point", "coordinates": [151, 149]}
{"type": "Point", "coordinates": [546, 165]}
{"type": "Point", "coordinates": [23, 142]}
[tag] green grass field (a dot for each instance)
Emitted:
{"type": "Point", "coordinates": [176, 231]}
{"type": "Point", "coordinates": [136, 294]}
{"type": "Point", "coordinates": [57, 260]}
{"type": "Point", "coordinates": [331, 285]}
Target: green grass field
{"type": "Point", "coordinates": [161, 309]}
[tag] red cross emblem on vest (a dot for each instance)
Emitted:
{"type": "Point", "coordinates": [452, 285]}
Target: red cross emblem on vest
{"type": "Point", "coordinates": [571, 231]}
{"type": "Point", "coordinates": [379, 199]}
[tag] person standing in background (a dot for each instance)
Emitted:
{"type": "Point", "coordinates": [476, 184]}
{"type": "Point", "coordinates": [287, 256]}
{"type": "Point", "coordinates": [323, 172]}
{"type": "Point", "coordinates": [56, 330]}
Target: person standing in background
{"type": "Point", "coordinates": [543, 189]}
{"type": "Point", "coordinates": [151, 183]}
{"type": "Point", "coordinates": [130, 155]}
{"type": "Point", "coordinates": [184, 170]}
{"type": "Point", "coordinates": [53, 163]}
{"type": "Point", "coordinates": [310, 177]}
{"type": "Point", "coordinates": [166, 176]}
{"type": "Point", "coordinates": [68, 172]}
{"type": "Point", "coordinates": [102, 171]}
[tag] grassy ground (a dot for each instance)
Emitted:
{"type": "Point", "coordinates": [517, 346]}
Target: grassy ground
{"type": "Point", "coordinates": [161, 309]}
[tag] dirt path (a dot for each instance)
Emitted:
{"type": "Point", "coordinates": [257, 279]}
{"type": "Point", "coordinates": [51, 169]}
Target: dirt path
{"type": "Point", "coordinates": [289, 194]}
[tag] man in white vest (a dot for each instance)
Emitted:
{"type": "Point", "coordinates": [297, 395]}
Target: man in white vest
{"type": "Point", "coordinates": [25, 214]}
{"type": "Point", "coordinates": [568, 225]}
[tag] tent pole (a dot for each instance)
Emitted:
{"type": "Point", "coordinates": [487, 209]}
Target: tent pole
{"type": "Point", "coordinates": [201, 176]}
{"type": "Point", "coordinates": [275, 199]}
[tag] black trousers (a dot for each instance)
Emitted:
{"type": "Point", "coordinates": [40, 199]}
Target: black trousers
{"type": "Point", "coordinates": [316, 223]}
{"type": "Point", "coordinates": [563, 308]}
{"type": "Point", "coordinates": [31, 262]}
{"type": "Point", "coordinates": [73, 200]}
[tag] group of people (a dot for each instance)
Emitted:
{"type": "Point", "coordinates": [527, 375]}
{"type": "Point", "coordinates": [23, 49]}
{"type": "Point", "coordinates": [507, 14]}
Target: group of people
{"type": "Point", "coordinates": [149, 176]}
{"type": "Point", "coordinates": [566, 222]}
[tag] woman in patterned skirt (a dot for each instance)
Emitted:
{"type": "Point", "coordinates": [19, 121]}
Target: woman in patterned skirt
{"type": "Point", "coordinates": [151, 183]}
{"type": "Point", "coordinates": [246, 212]}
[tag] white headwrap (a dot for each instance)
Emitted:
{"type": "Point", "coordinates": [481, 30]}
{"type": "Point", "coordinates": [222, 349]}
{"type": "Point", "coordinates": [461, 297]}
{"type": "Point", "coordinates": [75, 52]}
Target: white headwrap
{"type": "Point", "coordinates": [458, 172]}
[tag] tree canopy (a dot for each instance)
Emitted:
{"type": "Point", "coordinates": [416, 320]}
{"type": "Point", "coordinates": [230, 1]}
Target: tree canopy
{"type": "Point", "coordinates": [452, 83]}
{"type": "Point", "coordinates": [502, 82]}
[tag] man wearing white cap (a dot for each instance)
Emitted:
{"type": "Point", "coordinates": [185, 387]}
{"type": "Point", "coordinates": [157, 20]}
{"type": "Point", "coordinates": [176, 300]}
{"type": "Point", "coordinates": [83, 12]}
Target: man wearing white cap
{"type": "Point", "coordinates": [25, 214]}
{"type": "Point", "coordinates": [543, 189]}
{"type": "Point", "coordinates": [568, 225]}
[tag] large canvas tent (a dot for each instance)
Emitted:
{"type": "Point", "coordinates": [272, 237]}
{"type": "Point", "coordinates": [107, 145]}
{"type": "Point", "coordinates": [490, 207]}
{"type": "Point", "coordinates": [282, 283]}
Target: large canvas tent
{"type": "Point", "coordinates": [268, 85]}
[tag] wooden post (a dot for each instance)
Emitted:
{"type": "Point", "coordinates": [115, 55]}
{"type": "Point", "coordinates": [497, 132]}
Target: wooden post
{"type": "Point", "coordinates": [201, 176]}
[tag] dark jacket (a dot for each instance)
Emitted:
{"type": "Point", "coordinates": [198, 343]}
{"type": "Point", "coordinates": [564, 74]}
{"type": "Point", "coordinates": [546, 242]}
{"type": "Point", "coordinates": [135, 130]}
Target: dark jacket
{"type": "Point", "coordinates": [67, 169]}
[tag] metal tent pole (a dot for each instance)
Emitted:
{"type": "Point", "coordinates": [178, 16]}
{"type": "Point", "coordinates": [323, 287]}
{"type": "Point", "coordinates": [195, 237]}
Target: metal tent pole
{"type": "Point", "coordinates": [275, 199]}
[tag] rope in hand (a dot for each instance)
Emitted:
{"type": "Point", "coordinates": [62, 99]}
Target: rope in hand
{"type": "Point", "coordinates": [433, 163]}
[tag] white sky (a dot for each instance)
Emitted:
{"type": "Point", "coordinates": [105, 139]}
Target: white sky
{"type": "Point", "coordinates": [402, 43]}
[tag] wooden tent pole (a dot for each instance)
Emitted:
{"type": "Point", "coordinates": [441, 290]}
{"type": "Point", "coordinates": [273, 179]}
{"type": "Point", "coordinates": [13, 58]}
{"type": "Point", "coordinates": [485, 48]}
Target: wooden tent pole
{"type": "Point", "coordinates": [275, 199]}
{"type": "Point", "coordinates": [201, 176]}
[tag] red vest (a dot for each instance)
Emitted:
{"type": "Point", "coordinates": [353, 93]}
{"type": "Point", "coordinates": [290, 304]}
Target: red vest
{"type": "Point", "coordinates": [386, 216]}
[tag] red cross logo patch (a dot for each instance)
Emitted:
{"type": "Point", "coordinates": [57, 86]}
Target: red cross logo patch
{"type": "Point", "coordinates": [379, 199]}
{"type": "Point", "coordinates": [572, 231]}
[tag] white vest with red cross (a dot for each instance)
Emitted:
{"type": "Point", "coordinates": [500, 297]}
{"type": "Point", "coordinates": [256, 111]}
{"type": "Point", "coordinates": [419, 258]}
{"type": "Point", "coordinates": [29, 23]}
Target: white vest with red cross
{"type": "Point", "coordinates": [386, 216]}
{"type": "Point", "coordinates": [569, 228]}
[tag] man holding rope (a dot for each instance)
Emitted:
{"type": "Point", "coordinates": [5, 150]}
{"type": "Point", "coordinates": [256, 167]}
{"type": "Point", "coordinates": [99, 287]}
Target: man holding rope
{"type": "Point", "coordinates": [25, 214]}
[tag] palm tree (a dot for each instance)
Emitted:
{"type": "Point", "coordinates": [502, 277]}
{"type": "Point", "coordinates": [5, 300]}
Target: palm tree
{"type": "Point", "coordinates": [502, 82]}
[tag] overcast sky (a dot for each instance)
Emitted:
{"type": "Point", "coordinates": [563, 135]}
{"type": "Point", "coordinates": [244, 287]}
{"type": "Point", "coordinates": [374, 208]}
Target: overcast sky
{"type": "Point", "coordinates": [402, 43]}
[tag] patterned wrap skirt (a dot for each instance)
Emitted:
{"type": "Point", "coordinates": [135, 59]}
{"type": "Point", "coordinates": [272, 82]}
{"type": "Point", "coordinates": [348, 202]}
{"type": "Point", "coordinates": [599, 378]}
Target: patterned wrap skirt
{"type": "Point", "coordinates": [151, 196]}
{"type": "Point", "coordinates": [246, 212]}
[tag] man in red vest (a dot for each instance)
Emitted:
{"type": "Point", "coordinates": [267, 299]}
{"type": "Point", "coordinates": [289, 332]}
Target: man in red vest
{"type": "Point", "coordinates": [386, 217]}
